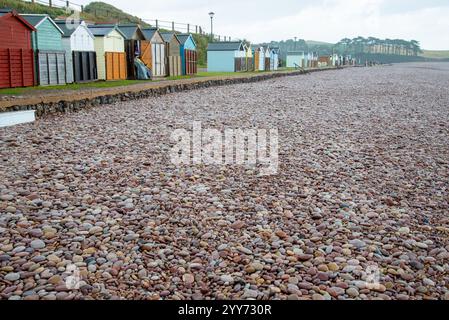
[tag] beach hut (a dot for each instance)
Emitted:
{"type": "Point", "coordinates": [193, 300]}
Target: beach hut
{"type": "Point", "coordinates": [189, 54]}
{"type": "Point", "coordinates": [335, 60]}
{"type": "Point", "coordinates": [312, 60]}
{"type": "Point", "coordinates": [47, 45]}
{"type": "Point", "coordinates": [80, 56]}
{"type": "Point", "coordinates": [267, 58]}
{"type": "Point", "coordinates": [155, 52]}
{"type": "Point", "coordinates": [274, 58]}
{"type": "Point", "coordinates": [259, 59]}
{"type": "Point", "coordinates": [324, 61]}
{"type": "Point", "coordinates": [134, 40]}
{"type": "Point", "coordinates": [17, 68]}
{"type": "Point", "coordinates": [172, 54]}
{"type": "Point", "coordinates": [249, 58]}
{"type": "Point", "coordinates": [225, 56]}
{"type": "Point", "coordinates": [110, 48]}
{"type": "Point", "coordinates": [296, 59]}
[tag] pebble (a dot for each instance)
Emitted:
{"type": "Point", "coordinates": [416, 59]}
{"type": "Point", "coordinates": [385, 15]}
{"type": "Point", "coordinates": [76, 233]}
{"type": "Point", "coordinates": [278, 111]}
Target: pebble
{"type": "Point", "coordinates": [250, 294]}
{"type": "Point", "coordinates": [227, 279]}
{"type": "Point", "coordinates": [188, 278]}
{"type": "Point", "coordinates": [404, 230]}
{"type": "Point", "coordinates": [37, 244]}
{"type": "Point", "coordinates": [6, 197]}
{"type": "Point", "coordinates": [352, 292]}
{"type": "Point", "coordinates": [359, 244]}
{"type": "Point", "coordinates": [12, 277]}
{"type": "Point", "coordinates": [95, 230]}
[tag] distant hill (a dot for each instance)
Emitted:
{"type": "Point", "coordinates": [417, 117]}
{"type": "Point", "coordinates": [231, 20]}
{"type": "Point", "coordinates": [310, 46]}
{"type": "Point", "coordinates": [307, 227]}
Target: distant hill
{"type": "Point", "coordinates": [435, 54]}
{"type": "Point", "coordinates": [319, 43]}
{"type": "Point", "coordinates": [104, 12]}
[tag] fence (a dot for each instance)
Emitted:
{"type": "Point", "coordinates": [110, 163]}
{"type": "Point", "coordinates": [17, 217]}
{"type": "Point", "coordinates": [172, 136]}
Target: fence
{"type": "Point", "coordinates": [60, 4]}
{"type": "Point", "coordinates": [167, 25]}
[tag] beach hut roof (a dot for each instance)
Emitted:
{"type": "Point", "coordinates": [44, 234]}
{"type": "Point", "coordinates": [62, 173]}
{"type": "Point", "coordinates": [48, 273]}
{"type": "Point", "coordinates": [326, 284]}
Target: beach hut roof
{"type": "Point", "coordinates": [149, 33]}
{"type": "Point", "coordinates": [168, 36]}
{"type": "Point", "coordinates": [225, 46]}
{"type": "Point", "coordinates": [183, 37]}
{"type": "Point", "coordinates": [4, 12]}
{"type": "Point", "coordinates": [102, 30]}
{"type": "Point", "coordinates": [9, 12]}
{"type": "Point", "coordinates": [37, 19]}
{"type": "Point", "coordinates": [68, 31]}
{"type": "Point", "coordinates": [128, 30]}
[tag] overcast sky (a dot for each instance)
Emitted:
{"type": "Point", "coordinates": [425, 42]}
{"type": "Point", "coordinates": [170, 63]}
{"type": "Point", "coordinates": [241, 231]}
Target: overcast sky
{"type": "Point", "coordinates": [325, 20]}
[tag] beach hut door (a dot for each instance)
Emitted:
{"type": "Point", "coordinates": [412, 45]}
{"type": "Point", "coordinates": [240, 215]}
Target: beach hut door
{"type": "Point", "coordinates": [146, 53]}
{"type": "Point", "coordinates": [158, 59]}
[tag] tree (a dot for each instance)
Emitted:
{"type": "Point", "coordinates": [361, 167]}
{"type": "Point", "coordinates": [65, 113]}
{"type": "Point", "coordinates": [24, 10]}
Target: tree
{"type": "Point", "coordinates": [415, 47]}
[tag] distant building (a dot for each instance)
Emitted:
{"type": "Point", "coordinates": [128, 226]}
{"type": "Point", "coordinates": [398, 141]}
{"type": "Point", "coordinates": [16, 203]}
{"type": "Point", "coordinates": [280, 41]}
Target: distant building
{"type": "Point", "coordinates": [155, 52]}
{"type": "Point", "coordinates": [80, 56]}
{"type": "Point", "coordinates": [47, 44]}
{"type": "Point", "coordinates": [296, 59]}
{"type": "Point", "coordinates": [225, 56]}
{"type": "Point", "coordinates": [134, 39]}
{"type": "Point", "coordinates": [15, 33]}
{"type": "Point", "coordinates": [274, 58]}
{"type": "Point", "coordinates": [172, 53]}
{"type": "Point", "coordinates": [189, 54]}
{"type": "Point", "coordinates": [259, 59]}
{"type": "Point", "coordinates": [110, 49]}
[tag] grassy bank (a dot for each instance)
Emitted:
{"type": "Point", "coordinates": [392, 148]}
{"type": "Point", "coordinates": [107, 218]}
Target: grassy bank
{"type": "Point", "coordinates": [73, 86]}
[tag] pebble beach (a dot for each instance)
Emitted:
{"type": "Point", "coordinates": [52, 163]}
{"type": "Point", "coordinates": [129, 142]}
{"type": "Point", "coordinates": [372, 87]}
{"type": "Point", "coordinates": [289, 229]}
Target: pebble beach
{"type": "Point", "coordinates": [359, 207]}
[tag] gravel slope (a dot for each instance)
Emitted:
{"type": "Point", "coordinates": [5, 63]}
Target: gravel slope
{"type": "Point", "coordinates": [363, 184]}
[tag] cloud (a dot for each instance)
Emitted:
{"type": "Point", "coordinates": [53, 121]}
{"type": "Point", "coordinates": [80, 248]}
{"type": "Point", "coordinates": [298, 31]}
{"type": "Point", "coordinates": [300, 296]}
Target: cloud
{"type": "Point", "coordinates": [324, 20]}
{"type": "Point", "coordinates": [333, 20]}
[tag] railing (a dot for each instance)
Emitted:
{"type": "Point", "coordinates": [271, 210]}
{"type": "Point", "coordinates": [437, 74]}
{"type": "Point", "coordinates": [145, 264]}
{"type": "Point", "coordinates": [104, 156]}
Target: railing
{"type": "Point", "coordinates": [60, 4]}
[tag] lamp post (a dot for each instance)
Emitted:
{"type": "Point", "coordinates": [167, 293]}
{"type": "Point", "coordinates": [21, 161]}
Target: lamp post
{"type": "Point", "coordinates": [296, 38]}
{"type": "Point", "coordinates": [211, 15]}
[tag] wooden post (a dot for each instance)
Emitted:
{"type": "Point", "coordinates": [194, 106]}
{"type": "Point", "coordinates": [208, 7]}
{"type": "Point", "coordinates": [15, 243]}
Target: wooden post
{"type": "Point", "coordinates": [82, 8]}
{"type": "Point", "coordinates": [57, 69]}
{"type": "Point", "coordinates": [188, 28]}
{"type": "Point", "coordinates": [34, 70]}
{"type": "Point", "coordinates": [23, 67]}
{"type": "Point", "coordinates": [173, 26]}
{"type": "Point", "coordinates": [10, 67]}
{"type": "Point", "coordinates": [50, 4]}
{"type": "Point", "coordinates": [67, 4]}
{"type": "Point", "coordinates": [157, 24]}
{"type": "Point", "coordinates": [196, 29]}
{"type": "Point", "coordinates": [48, 70]}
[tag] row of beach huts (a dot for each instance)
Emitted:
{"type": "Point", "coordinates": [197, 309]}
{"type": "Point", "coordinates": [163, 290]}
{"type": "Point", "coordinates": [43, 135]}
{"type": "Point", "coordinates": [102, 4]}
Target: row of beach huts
{"type": "Point", "coordinates": [37, 50]}
{"type": "Point", "coordinates": [302, 59]}
{"type": "Point", "coordinates": [238, 56]}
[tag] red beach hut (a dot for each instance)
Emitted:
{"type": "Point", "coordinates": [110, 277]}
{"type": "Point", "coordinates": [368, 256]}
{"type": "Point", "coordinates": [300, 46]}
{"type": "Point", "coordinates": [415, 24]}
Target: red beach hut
{"type": "Point", "coordinates": [16, 53]}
